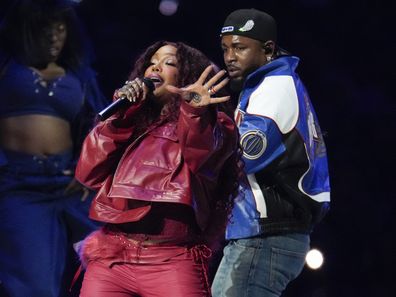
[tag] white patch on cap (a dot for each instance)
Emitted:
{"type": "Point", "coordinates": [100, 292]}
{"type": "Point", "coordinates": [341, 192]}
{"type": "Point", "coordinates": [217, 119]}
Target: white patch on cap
{"type": "Point", "coordinates": [248, 26]}
{"type": "Point", "coordinates": [227, 29]}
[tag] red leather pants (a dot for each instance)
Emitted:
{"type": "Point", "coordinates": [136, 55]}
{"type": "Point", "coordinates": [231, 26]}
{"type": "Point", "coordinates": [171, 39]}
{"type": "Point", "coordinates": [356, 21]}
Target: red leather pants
{"type": "Point", "coordinates": [183, 275]}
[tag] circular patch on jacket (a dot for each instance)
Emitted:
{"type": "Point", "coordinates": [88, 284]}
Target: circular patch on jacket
{"type": "Point", "coordinates": [254, 144]}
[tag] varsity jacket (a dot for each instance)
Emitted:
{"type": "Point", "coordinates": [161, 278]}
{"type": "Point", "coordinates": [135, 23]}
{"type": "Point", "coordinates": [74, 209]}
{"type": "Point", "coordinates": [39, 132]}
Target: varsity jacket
{"type": "Point", "coordinates": [287, 182]}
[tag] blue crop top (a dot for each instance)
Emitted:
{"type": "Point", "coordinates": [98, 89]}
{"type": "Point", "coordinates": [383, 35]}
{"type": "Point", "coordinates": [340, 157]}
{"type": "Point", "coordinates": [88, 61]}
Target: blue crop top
{"type": "Point", "coordinates": [23, 91]}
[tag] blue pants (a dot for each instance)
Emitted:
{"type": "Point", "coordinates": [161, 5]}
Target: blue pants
{"type": "Point", "coordinates": [38, 224]}
{"type": "Point", "coordinates": [260, 267]}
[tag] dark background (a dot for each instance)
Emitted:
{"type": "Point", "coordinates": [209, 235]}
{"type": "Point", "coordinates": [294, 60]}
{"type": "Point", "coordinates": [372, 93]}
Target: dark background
{"type": "Point", "coordinates": [347, 51]}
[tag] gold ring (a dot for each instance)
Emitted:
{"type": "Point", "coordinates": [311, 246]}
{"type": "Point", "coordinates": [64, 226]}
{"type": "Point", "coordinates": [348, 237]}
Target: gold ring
{"type": "Point", "coordinates": [211, 90]}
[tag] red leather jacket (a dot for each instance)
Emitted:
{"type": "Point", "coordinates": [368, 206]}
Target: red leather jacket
{"type": "Point", "coordinates": [176, 162]}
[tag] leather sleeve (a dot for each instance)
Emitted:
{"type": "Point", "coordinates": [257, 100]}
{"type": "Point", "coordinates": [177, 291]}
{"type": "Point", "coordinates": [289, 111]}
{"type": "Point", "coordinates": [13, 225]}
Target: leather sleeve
{"type": "Point", "coordinates": [203, 133]}
{"type": "Point", "coordinates": [208, 139]}
{"type": "Point", "coordinates": [102, 149]}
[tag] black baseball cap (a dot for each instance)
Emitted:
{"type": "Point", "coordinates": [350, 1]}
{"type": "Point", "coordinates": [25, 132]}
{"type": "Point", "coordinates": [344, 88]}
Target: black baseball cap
{"type": "Point", "coordinates": [251, 23]}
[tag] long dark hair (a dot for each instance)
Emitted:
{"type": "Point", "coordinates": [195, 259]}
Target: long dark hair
{"type": "Point", "coordinates": [22, 33]}
{"type": "Point", "coordinates": [191, 64]}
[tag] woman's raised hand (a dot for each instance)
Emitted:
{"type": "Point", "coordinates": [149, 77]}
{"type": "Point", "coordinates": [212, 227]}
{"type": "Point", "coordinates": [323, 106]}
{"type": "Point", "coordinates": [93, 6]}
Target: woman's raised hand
{"type": "Point", "coordinates": [200, 93]}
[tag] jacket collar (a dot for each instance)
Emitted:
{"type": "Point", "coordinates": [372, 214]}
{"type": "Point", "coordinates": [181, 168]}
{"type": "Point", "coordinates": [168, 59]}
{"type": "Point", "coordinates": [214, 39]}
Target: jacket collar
{"type": "Point", "coordinates": [167, 130]}
{"type": "Point", "coordinates": [280, 66]}
{"type": "Point", "coordinates": [285, 65]}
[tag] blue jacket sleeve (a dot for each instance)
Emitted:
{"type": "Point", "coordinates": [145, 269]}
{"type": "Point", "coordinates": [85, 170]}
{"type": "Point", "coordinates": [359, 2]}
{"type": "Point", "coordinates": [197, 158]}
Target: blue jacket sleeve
{"type": "Point", "coordinates": [261, 141]}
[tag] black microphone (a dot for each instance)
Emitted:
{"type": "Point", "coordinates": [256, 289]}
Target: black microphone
{"type": "Point", "coordinates": [122, 102]}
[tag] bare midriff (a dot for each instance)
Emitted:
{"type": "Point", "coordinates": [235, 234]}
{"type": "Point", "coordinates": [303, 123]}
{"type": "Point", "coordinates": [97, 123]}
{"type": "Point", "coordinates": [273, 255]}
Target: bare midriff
{"type": "Point", "coordinates": [35, 134]}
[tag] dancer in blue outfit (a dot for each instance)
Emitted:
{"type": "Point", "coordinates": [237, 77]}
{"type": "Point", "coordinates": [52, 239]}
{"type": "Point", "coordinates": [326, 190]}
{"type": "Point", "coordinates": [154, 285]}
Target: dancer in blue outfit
{"type": "Point", "coordinates": [48, 100]}
{"type": "Point", "coordinates": [286, 191]}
